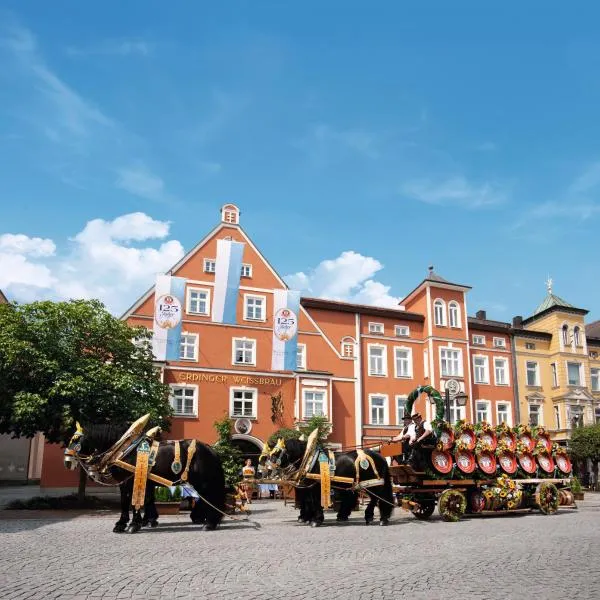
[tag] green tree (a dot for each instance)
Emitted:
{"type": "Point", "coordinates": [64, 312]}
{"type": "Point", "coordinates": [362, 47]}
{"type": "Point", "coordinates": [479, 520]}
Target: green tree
{"type": "Point", "coordinates": [231, 457]}
{"type": "Point", "coordinates": [285, 433]}
{"type": "Point", "coordinates": [319, 422]}
{"type": "Point", "coordinates": [62, 362]}
{"type": "Point", "coordinates": [585, 444]}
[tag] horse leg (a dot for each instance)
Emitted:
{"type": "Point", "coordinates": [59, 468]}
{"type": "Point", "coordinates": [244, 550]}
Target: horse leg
{"type": "Point", "coordinates": [126, 491]}
{"type": "Point", "coordinates": [136, 521]}
{"type": "Point", "coordinates": [386, 502]}
{"type": "Point", "coordinates": [347, 503]}
{"type": "Point", "coordinates": [318, 517]}
{"type": "Point", "coordinates": [370, 510]}
{"type": "Point", "coordinates": [150, 512]}
{"type": "Point", "coordinates": [198, 514]}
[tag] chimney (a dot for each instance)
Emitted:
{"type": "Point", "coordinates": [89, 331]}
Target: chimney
{"type": "Point", "coordinates": [480, 314]}
{"type": "Point", "coordinates": [517, 322]}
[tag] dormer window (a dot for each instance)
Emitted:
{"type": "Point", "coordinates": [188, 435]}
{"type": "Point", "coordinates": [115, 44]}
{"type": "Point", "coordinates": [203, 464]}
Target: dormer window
{"type": "Point", "coordinates": [246, 270]}
{"type": "Point", "coordinates": [230, 214]}
{"type": "Point", "coordinates": [376, 328]}
{"type": "Point", "coordinates": [348, 345]}
{"type": "Point", "coordinates": [210, 265]}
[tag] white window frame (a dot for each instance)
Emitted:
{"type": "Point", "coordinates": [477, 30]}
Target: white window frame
{"type": "Point", "coordinates": [486, 369]}
{"type": "Point", "coordinates": [314, 391]}
{"type": "Point", "coordinates": [595, 374]}
{"type": "Point", "coordinates": [384, 370]}
{"type": "Point", "coordinates": [454, 307]}
{"type": "Point", "coordinates": [476, 338]}
{"type": "Point", "coordinates": [188, 334]}
{"type": "Point", "coordinates": [248, 268]}
{"type": "Point", "coordinates": [184, 386]}
{"type": "Point", "coordinates": [506, 371]}
{"type": "Point", "coordinates": [230, 216]}
{"type": "Point", "coordinates": [402, 331]}
{"type": "Point", "coordinates": [529, 346]}
{"type": "Point", "coordinates": [488, 411]}
{"type": "Point", "coordinates": [439, 303]}
{"type": "Point", "coordinates": [207, 265]}
{"type": "Point", "coordinates": [377, 328]}
{"type": "Point", "coordinates": [508, 412]}
{"type": "Point", "coordinates": [557, 416]}
{"type": "Point", "coordinates": [264, 307]}
{"type": "Point", "coordinates": [460, 362]}
{"type": "Point", "coordinates": [577, 336]}
{"type": "Point", "coordinates": [554, 372]}
{"type": "Point", "coordinates": [302, 355]}
{"type": "Point", "coordinates": [564, 335]}
{"type": "Point", "coordinates": [409, 360]}
{"type": "Point", "coordinates": [457, 412]}
{"type": "Point", "coordinates": [188, 302]}
{"type": "Point", "coordinates": [254, 392]}
{"type": "Point", "coordinates": [499, 342]}
{"type": "Point", "coordinates": [581, 375]}
{"type": "Point", "coordinates": [348, 343]}
{"type": "Point", "coordinates": [540, 414]}
{"type": "Point", "coordinates": [233, 351]}
{"type": "Point", "coordinates": [537, 382]}
{"type": "Point", "coordinates": [386, 414]}
{"type": "Point", "coordinates": [400, 401]}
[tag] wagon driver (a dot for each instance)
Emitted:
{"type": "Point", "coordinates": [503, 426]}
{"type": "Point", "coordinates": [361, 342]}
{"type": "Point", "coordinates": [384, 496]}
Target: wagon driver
{"type": "Point", "coordinates": [405, 436]}
{"type": "Point", "coordinates": [423, 442]}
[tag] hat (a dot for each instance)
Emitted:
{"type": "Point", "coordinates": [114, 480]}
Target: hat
{"type": "Point", "coordinates": [406, 416]}
{"type": "Point", "coordinates": [415, 414]}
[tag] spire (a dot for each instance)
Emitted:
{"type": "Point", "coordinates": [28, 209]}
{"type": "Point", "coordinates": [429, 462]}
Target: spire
{"type": "Point", "coordinates": [549, 285]}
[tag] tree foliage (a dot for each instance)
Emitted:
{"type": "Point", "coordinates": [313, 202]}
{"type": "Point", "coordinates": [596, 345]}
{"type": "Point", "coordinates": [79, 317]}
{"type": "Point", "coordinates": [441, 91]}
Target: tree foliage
{"type": "Point", "coordinates": [62, 362]}
{"type": "Point", "coordinates": [231, 457]}
{"type": "Point", "coordinates": [319, 422]}
{"type": "Point", "coordinates": [585, 443]}
{"type": "Point", "coordinates": [285, 433]}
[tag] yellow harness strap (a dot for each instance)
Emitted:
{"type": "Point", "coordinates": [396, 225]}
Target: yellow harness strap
{"type": "Point", "coordinates": [140, 477]}
{"type": "Point", "coordinates": [325, 484]}
{"type": "Point", "coordinates": [363, 460]}
{"type": "Point", "coordinates": [176, 466]}
{"type": "Point", "coordinates": [191, 452]}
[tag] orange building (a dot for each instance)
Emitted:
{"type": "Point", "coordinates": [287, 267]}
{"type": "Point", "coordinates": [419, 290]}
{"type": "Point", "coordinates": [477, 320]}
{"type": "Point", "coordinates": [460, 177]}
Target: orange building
{"type": "Point", "coordinates": [356, 364]}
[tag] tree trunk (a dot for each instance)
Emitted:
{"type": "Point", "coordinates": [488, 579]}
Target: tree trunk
{"type": "Point", "coordinates": [82, 484]}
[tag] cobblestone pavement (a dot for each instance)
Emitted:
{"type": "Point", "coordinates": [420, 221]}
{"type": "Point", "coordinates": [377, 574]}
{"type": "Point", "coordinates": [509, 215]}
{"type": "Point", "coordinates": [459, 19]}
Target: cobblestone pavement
{"type": "Point", "coordinates": [511, 556]}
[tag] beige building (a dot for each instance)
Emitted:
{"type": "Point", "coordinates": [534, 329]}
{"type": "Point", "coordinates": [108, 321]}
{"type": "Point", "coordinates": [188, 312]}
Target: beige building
{"type": "Point", "coordinates": [557, 367]}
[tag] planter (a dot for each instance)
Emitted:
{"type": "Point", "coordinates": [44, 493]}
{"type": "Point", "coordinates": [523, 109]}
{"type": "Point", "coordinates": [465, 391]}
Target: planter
{"type": "Point", "coordinates": [168, 508]}
{"type": "Point", "coordinates": [578, 495]}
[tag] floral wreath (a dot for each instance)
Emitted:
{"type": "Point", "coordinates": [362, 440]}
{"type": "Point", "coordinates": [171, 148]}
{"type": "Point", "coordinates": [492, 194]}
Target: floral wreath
{"type": "Point", "coordinates": [482, 447]}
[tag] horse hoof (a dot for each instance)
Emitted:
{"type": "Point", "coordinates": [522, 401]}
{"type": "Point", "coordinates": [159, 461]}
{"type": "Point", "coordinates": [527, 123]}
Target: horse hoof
{"type": "Point", "coordinates": [198, 521]}
{"type": "Point", "coordinates": [119, 528]}
{"type": "Point", "coordinates": [209, 527]}
{"type": "Point", "coordinates": [342, 519]}
{"type": "Point", "coordinates": [383, 523]}
{"type": "Point", "coordinates": [301, 520]}
{"type": "Point", "coordinates": [315, 524]}
{"type": "Point", "coordinates": [134, 528]}
{"type": "Point", "coordinates": [153, 524]}
{"type": "Point", "coordinates": [368, 522]}
{"type": "Point", "coordinates": [145, 523]}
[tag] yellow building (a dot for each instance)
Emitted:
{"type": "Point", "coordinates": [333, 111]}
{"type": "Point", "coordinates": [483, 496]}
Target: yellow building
{"type": "Point", "coordinates": [557, 367]}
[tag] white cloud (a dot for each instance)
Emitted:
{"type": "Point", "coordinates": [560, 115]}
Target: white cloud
{"type": "Point", "coordinates": [22, 244]}
{"type": "Point", "coordinates": [349, 277]}
{"type": "Point", "coordinates": [101, 262]}
{"type": "Point", "coordinates": [137, 179]}
{"type": "Point", "coordinates": [117, 47]}
{"type": "Point", "coordinates": [455, 191]}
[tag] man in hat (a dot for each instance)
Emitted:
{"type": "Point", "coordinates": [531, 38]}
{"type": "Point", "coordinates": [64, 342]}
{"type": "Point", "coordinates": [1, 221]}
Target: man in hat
{"type": "Point", "coordinates": [423, 442]}
{"type": "Point", "coordinates": [405, 436]}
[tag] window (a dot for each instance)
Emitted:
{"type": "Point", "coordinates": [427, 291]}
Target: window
{"type": "Point", "coordinates": [597, 414]}
{"type": "Point", "coordinates": [188, 346]}
{"type": "Point", "coordinates": [246, 270]}
{"type": "Point", "coordinates": [554, 375]}
{"type": "Point", "coordinates": [501, 371]}
{"type": "Point", "coordinates": [529, 346]}
{"type": "Point", "coordinates": [254, 308]}
{"type": "Point", "coordinates": [301, 357]}
{"type": "Point", "coordinates": [595, 373]}
{"type": "Point", "coordinates": [479, 340]}
{"type": "Point", "coordinates": [403, 362]}
{"type": "Point", "coordinates": [425, 364]}
{"type": "Point", "coordinates": [454, 314]}
{"type": "Point", "coordinates": [457, 413]}
{"type": "Point", "coordinates": [499, 342]}
{"type": "Point", "coordinates": [378, 409]}
{"type": "Point", "coordinates": [347, 349]}
{"type": "Point", "coordinates": [575, 416]}
{"type": "Point", "coordinates": [439, 313]}
{"type": "Point", "coordinates": [230, 216]}
{"type": "Point", "coordinates": [400, 408]}
{"type": "Point", "coordinates": [502, 409]}
{"type": "Point", "coordinates": [375, 327]}
{"type": "Point", "coordinates": [402, 331]}
{"type": "Point", "coordinates": [594, 355]}
{"type": "Point", "coordinates": [184, 400]}
{"type": "Point", "coordinates": [198, 301]}
{"type": "Point", "coordinates": [480, 368]}
{"type": "Point", "coordinates": [377, 360]}
{"type": "Point", "coordinates": [576, 336]}
{"type": "Point", "coordinates": [243, 402]}
{"type": "Point", "coordinates": [565, 335]}
{"type": "Point", "coordinates": [314, 403]}
{"type": "Point", "coordinates": [451, 360]}
{"type": "Point", "coordinates": [210, 265]}
{"type": "Point", "coordinates": [557, 417]}
{"type": "Point", "coordinates": [574, 373]}
{"type": "Point", "coordinates": [533, 376]}
{"type": "Point", "coordinates": [534, 414]}
{"type": "Point", "coordinates": [244, 351]}
{"type": "Point", "coordinates": [482, 411]}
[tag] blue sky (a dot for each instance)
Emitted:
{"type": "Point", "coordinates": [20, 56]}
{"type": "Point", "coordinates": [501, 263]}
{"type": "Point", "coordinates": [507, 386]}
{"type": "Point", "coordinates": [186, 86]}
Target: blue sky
{"type": "Point", "coordinates": [362, 144]}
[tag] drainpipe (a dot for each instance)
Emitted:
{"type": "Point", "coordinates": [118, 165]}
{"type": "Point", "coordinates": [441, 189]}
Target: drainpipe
{"type": "Point", "coordinates": [513, 350]}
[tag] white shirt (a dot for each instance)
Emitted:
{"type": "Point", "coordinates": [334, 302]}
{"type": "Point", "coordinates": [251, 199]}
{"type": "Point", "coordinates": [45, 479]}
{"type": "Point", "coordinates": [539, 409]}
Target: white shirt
{"type": "Point", "coordinates": [411, 432]}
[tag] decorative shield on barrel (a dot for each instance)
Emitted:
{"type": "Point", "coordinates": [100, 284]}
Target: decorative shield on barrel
{"type": "Point", "coordinates": [544, 438]}
{"type": "Point", "coordinates": [508, 439]}
{"type": "Point", "coordinates": [546, 462]}
{"type": "Point", "coordinates": [446, 438]}
{"type": "Point", "coordinates": [563, 462]}
{"type": "Point", "coordinates": [442, 461]}
{"type": "Point", "coordinates": [465, 461]}
{"type": "Point", "coordinates": [527, 441]}
{"type": "Point", "coordinates": [468, 438]}
{"type": "Point", "coordinates": [487, 462]}
{"type": "Point", "coordinates": [527, 462]}
{"type": "Point", "coordinates": [489, 438]}
{"type": "Point", "coordinates": [508, 462]}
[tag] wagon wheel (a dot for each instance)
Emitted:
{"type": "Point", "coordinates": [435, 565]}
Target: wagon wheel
{"type": "Point", "coordinates": [424, 509]}
{"type": "Point", "coordinates": [547, 497]}
{"type": "Point", "coordinates": [452, 505]}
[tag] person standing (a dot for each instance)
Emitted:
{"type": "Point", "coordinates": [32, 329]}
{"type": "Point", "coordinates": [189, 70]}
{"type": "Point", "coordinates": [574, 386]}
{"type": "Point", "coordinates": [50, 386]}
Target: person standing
{"type": "Point", "coordinates": [423, 443]}
{"type": "Point", "coordinates": [248, 473]}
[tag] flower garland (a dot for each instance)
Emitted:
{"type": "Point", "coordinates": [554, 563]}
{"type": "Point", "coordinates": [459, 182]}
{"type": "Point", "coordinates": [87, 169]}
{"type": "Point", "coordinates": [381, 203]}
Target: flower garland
{"type": "Point", "coordinates": [540, 448]}
{"type": "Point", "coordinates": [506, 491]}
{"type": "Point", "coordinates": [503, 448]}
{"type": "Point", "coordinates": [539, 431]}
{"type": "Point", "coordinates": [462, 426]}
{"type": "Point", "coordinates": [503, 428]}
{"type": "Point", "coordinates": [520, 429]}
{"type": "Point", "coordinates": [522, 448]}
{"type": "Point", "coordinates": [482, 447]}
{"type": "Point", "coordinates": [459, 446]}
{"type": "Point", "coordinates": [483, 427]}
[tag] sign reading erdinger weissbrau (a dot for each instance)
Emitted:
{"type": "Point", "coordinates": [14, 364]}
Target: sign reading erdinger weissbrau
{"type": "Point", "coordinates": [237, 379]}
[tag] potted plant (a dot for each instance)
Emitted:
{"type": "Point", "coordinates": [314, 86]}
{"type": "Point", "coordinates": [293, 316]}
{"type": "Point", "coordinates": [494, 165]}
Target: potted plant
{"type": "Point", "coordinates": [167, 501]}
{"type": "Point", "coordinates": [577, 489]}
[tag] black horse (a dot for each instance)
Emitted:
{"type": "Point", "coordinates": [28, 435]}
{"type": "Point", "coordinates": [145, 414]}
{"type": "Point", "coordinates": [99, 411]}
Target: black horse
{"type": "Point", "coordinates": [205, 474]}
{"type": "Point", "coordinates": [308, 492]}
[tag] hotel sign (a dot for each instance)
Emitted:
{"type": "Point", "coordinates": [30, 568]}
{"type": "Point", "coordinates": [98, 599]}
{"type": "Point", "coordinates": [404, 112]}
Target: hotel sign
{"type": "Point", "coordinates": [220, 378]}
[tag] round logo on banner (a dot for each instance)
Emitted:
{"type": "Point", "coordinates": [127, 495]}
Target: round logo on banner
{"type": "Point", "coordinates": [285, 324]}
{"type": "Point", "coordinates": [168, 311]}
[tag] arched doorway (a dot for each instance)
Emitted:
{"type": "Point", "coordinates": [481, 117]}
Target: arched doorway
{"type": "Point", "coordinates": [248, 445]}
